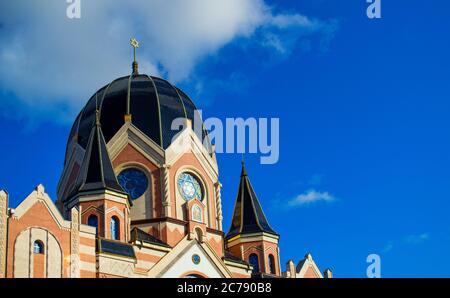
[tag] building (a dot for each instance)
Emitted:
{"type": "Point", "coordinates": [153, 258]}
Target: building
{"type": "Point", "coordinates": [138, 199]}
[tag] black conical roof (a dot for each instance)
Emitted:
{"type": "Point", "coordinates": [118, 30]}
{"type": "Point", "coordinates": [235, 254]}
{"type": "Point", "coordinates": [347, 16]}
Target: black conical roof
{"type": "Point", "coordinates": [248, 216]}
{"type": "Point", "coordinates": [96, 172]}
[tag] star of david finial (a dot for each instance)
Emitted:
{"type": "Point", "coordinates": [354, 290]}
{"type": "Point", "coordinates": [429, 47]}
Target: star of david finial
{"type": "Point", "coordinates": [134, 43]}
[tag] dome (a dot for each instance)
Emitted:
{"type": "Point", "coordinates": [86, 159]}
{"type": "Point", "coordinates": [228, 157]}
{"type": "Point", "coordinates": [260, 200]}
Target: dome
{"type": "Point", "coordinates": [152, 102]}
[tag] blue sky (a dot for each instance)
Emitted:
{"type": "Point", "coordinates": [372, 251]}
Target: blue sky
{"type": "Point", "coordinates": [363, 107]}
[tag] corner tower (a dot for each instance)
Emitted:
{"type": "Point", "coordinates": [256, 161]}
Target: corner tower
{"type": "Point", "coordinates": [97, 193]}
{"type": "Point", "coordinates": [250, 237]}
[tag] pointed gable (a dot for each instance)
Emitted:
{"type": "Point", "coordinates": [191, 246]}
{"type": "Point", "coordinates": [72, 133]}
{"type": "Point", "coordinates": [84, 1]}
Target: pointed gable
{"type": "Point", "coordinates": [307, 268]}
{"type": "Point", "coordinates": [96, 173]}
{"type": "Point", "coordinates": [248, 216]}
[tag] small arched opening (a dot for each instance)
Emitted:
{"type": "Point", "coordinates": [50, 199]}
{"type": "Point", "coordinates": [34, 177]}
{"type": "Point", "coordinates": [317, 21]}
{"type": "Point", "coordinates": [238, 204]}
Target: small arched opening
{"type": "Point", "coordinates": [115, 228]}
{"type": "Point", "coordinates": [93, 222]}
{"type": "Point", "coordinates": [254, 261]}
{"type": "Point", "coordinates": [272, 264]}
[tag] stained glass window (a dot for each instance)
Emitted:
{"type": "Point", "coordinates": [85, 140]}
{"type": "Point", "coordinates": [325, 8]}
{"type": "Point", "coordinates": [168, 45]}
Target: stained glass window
{"type": "Point", "coordinates": [134, 182]}
{"type": "Point", "coordinates": [189, 187]}
{"type": "Point", "coordinates": [114, 226]}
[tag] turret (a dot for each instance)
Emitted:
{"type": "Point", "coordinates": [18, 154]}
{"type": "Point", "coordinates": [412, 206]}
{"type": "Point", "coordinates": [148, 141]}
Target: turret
{"type": "Point", "coordinates": [97, 193]}
{"type": "Point", "coordinates": [251, 237]}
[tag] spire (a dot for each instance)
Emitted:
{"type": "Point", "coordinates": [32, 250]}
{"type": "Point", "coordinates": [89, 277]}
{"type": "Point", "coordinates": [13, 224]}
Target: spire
{"type": "Point", "coordinates": [248, 216]}
{"type": "Point", "coordinates": [135, 44]}
{"type": "Point", "coordinates": [96, 172]}
{"type": "Point", "coordinates": [243, 171]}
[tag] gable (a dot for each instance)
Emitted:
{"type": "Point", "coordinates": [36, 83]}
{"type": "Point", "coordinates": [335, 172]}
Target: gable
{"type": "Point", "coordinates": [130, 135]}
{"type": "Point", "coordinates": [307, 268]}
{"type": "Point", "coordinates": [40, 209]}
{"type": "Point", "coordinates": [184, 265]}
{"type": "Point", "coordinates": [187, 144]}
{"type": "Point", "coordinates": [179, 262]}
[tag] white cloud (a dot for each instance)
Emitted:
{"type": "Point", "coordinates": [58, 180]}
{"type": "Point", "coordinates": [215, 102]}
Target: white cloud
{"type": "Point", "coordinates": [311, 196]}
{"type": "Point", "coordinates": [50, 62]}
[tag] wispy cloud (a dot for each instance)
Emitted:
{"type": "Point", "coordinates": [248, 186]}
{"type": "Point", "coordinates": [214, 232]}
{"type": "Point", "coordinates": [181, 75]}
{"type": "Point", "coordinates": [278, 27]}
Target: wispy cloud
{"type": "Point", "coordinates": [52, 63]}
{"type": "Point", "coordinates": [388, 247]}
{"type": "Point", "coordinates": [413, 239]}
{"type": "Point", "coordinates": [310, 197]}
{"type": "Point", "coordinates": [416, 239]}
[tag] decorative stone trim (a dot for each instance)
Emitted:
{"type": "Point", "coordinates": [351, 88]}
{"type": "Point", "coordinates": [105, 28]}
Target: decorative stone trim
{"type": "Point", "coordinates": [166, 190]}
{"type": "Point", "coordinates": [75, 243]}
{"type": "Point", "coordinates": [217, 188]}
{"type": "Point", "coordinates": [3, 231]}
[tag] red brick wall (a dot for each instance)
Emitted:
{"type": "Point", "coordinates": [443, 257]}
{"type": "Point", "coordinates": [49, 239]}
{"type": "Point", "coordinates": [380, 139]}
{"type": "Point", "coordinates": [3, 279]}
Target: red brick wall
{"type": "Point", "coordinates": [128, 156]}
{"type": "Point", "coordinates": [104, 221]}
{"type": "Point", "coordinates": [310, 273]}
{"type": "Point", "coordinates": [38, 265]}
{"type": "Point", "coordinates": [37, 215]}
{"type": "Point", "coordinates": [262, 249]}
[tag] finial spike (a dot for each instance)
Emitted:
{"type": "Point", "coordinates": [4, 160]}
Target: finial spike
{"type": "Point", "coordinates": [135, 44]}
{"type": "Point", "coordinates": [243, 171]}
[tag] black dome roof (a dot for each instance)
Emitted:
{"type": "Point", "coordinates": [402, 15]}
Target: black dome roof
{"type": "Point", "coordinates": [152, 102]}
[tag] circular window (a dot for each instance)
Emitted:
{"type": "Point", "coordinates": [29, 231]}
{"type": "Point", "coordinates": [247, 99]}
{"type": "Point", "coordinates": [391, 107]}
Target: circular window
{"type": "Point", "coordinates": [196, 259]}
{"type": "Point", "coordinates": [134, 182]}
{"type": "Point", "coordinates": [189, 187]}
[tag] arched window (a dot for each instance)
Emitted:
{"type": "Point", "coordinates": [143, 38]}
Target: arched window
{"type": "Point", "coordinates": [272, 264]}
{"type": "Point", "coordinates": [198, 234]}
{"type": "Point", "coordinates": [114, 226]}
{"type": "Point", "coordinates": [93, 221]}
{"type": "Point", "coordinates": [38, 247]}
{"type": "Point", "coordinates": [253, 260]}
